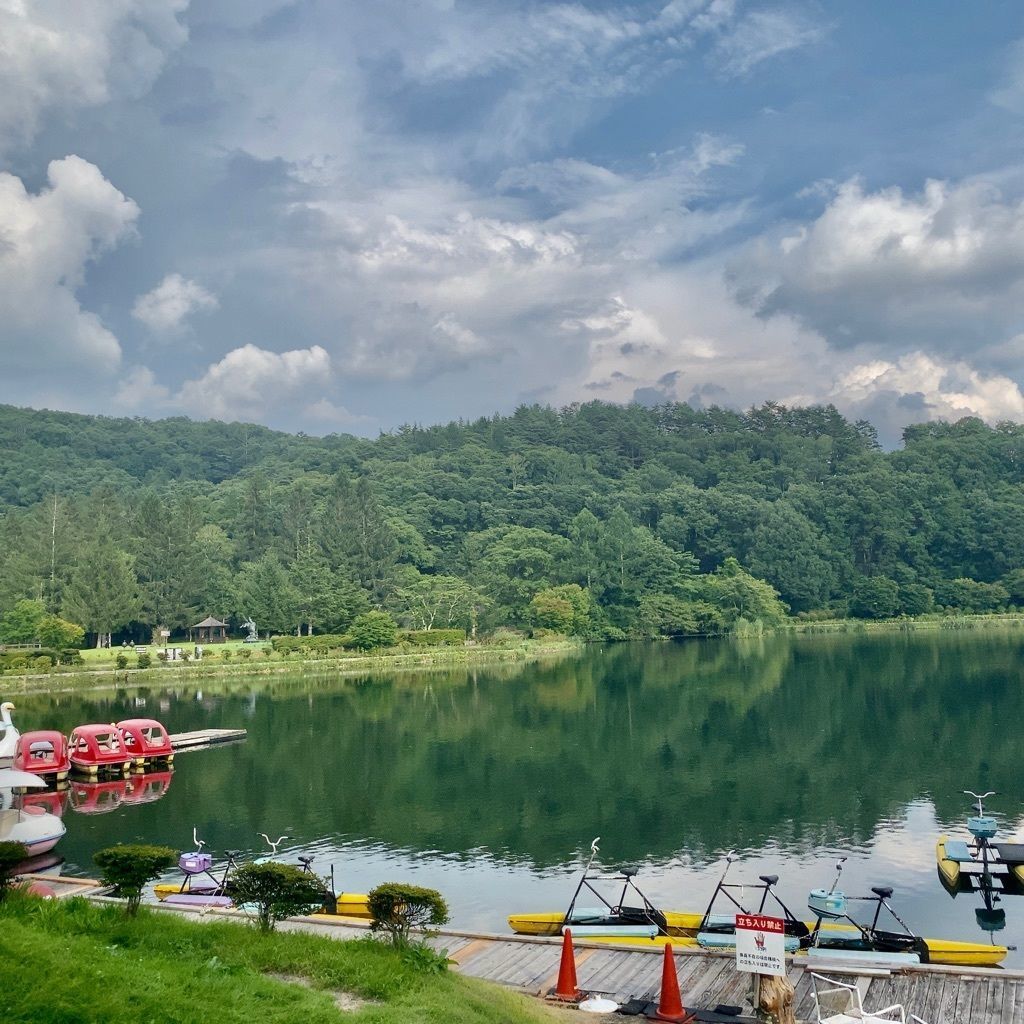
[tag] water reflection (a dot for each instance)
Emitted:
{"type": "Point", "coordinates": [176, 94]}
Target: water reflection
{"type": "Point", "coordinates": [490, 783]}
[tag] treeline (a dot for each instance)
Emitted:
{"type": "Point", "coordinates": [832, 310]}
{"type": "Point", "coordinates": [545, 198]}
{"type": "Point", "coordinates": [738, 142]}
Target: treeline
{"type": "Point", "coordinates": [596, 520]}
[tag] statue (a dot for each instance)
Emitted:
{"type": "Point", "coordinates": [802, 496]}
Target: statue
{"type": "Point", "coordinates": [253, 636]}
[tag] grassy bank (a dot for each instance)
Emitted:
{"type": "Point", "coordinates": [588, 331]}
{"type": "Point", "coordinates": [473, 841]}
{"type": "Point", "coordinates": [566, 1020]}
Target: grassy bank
{"type": "Point", "coordinates": [906, 624]}
{"type": "Point", "coordinates": [68, 960]}
{"type": "Point", "coordinates": [100, 672]}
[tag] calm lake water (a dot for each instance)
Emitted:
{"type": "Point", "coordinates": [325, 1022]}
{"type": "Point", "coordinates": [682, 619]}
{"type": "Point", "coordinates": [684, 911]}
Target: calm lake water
{"type": "Point", "coordinates": [489, 784]}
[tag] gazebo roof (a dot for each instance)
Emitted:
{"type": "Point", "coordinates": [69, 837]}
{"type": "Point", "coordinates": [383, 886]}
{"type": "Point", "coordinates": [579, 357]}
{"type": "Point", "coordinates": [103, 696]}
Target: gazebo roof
{"type": "Point", "coordinates": [209, 621]}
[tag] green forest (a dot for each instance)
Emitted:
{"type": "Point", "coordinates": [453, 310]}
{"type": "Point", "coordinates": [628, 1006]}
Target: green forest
{"type": "Point", "coordinates": [597, 520]}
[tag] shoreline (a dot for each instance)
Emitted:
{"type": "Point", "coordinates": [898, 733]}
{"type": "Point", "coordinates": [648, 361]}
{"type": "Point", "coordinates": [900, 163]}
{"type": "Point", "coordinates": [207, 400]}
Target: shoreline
{"type": "Point", "coordinates": [84, 678]}
{"type": "Point", "coordinates": [78, 680]}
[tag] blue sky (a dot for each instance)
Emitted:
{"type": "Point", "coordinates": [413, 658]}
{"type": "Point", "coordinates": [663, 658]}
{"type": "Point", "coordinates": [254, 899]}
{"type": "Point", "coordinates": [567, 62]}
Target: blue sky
{"type": "Point", "coordinates": [344, 217]}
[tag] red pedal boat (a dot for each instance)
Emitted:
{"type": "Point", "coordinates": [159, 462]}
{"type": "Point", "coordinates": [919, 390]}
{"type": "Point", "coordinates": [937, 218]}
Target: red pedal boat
{"type": "Point", "coordinates": [146, 740]}
{"type": "Point", "coordinates": [99, 748]}
{"type": "Point", "coordinates": [44, 752]}
{"type": "Point", "coordinates": [149, 787]}
{"type": "Point", "coordinates": [99, 797]}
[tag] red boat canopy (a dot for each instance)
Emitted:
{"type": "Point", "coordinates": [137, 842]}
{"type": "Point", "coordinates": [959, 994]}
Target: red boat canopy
{"type": "Point", "coordinates": [145, 737]}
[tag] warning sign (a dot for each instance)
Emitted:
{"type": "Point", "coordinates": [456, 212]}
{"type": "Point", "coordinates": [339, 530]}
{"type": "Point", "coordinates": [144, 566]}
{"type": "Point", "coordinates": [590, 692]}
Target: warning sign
{"type": "Point", "coordinates": [760, 944]}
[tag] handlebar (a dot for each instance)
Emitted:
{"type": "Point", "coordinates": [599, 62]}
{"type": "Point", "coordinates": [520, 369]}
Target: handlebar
{"type": "Point", "coordinates": [275, 843]}
{"type": "Point", "coordinates": [195, 839]}
{"type": "Point", "coordinates": [980, 797]}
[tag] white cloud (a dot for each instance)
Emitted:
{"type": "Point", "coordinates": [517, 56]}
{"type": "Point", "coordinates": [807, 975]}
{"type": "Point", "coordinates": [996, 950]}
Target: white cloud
{"type": "Point", "coordinates": [46, 242]}
{"type": "Point", "coordinates": [331, 414]}
{"type": "Point", "coordinates": [68, 54]}
{"type": "Point", "coordinates": [249, 381]}
{"type": "Point", "coordinates": [139, 391]}
{"type": "Point", "coordinates": [937, 270]}
{"type": "Point", "coordinates": [941, 390]}
{"type": "Point", "coordinates": [762, 35]}
{"type": "Point", "coordinates": [165, 308]}
{"type": "Point", "coordinates": [1009, 94]}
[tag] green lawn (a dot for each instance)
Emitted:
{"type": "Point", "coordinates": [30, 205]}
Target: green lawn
{"type": "Point", "coordinates": [72, 962]}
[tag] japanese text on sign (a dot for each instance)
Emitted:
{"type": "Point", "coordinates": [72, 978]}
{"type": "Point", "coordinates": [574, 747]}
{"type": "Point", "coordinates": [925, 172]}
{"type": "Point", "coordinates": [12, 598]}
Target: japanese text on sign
{"type": "Point", "coordinates": [760, 944]}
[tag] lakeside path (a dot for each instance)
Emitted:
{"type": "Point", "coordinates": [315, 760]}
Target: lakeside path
{"type": "Point", "coordinates": [86, 679]}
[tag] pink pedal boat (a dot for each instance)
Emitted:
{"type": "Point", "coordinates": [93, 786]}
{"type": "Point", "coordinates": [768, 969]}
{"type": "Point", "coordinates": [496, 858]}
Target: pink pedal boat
{"type": "Point", "coordinates": [45, 753]}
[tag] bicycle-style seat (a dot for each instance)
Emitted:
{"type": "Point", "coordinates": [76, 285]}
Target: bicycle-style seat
{"type": "Point", "coordinates": [882, 891]}
{"type": "Point", "coordinates": [769, 879]}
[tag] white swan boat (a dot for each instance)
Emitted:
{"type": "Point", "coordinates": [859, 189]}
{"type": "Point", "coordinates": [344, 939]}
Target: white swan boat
{"type": "Point", "coordinates": [8, 734]}
{"type": "Point", "coordinates": [36, 829]}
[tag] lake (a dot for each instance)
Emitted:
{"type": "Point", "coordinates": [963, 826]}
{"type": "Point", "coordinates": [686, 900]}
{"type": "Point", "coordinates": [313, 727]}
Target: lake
{"type": "Point", "coordinates": [489, 784]}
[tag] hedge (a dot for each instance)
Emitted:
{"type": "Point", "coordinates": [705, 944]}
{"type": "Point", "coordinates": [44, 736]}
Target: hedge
{"type": "Point", "coordinates": [433, 637]}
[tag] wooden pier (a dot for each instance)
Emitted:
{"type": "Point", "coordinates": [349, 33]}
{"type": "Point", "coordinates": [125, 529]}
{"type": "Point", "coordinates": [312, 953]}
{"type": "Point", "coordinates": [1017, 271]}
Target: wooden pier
{"type": "Point", "coordinates": [938, 995]}
{"type": "Point", "coordinates": [202, 738]}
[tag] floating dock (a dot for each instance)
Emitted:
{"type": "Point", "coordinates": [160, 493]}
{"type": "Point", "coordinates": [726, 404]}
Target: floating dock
{"type": "Point", "coordinates": [938, 995]}
{"type": "Point", "coordinates": [201, 738]}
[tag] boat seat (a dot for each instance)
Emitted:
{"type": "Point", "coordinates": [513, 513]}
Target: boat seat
{"type": "Point", "coordinates": [958, 850]}
{"type": "Point", "coordinates": [1010, 853]}
{"type": "Point", "coordinates": [721, 921]}
{"type": "Point", "coordinates": [184, 899]}
{"type": "Point", "coordinates": [864, 956]}
{"type": "Point", "coordinates": [632, 931]}
{"type": "Point", "coordinates": [584, 914]}
{"type": "Point", "coordinates": [727, 940]}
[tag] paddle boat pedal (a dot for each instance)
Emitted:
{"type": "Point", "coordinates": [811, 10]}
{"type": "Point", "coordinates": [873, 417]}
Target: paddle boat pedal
{"type": "Point", "coordinates": [845, 938]}
{"type": "Point", "coordinates": [199, 884]}
{"type": "Point", "coordinates": [981, 865]}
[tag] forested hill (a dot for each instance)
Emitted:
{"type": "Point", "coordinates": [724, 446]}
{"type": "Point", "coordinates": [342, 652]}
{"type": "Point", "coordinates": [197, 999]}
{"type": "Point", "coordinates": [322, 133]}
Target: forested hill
{"type": "Point", "coordinates": [598, 519]}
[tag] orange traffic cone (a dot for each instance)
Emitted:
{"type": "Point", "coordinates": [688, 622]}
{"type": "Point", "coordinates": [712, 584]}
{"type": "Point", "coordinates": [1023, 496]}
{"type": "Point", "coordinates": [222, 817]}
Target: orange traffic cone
{"type": "Point", "coordinates": [567, 989]}
{"type": "Point", "coordinates": [670, 1006]}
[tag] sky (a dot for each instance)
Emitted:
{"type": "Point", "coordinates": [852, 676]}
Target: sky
{"type": "Point", "coordinates": [344, 217]}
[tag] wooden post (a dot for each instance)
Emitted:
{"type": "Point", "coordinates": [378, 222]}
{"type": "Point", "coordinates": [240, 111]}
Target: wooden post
{"type": "Point", "coordinates": [775, 996]}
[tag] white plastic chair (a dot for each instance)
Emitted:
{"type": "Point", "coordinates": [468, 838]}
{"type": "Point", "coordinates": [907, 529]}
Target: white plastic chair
{"type": "Point", "coordinates": [837, 1002]}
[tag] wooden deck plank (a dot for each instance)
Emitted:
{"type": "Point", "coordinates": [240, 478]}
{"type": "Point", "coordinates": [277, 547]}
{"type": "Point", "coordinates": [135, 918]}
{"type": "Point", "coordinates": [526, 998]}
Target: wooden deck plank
{"type": "Point", "coordinates": [927, 1003]}
{"type": "Point", "coordinates": [499, 960]}
{"type": "Point", "coordinates": [200, 738]}
{"type": "Point", "coordinates": [962, 1007]}
{"type": "Point", "coordinates": [1009, 1008]}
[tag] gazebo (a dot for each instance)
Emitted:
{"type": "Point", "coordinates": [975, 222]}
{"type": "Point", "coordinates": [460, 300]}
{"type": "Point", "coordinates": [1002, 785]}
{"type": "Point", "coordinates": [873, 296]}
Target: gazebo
{"type": "Point", "coordinates": [209, 631]}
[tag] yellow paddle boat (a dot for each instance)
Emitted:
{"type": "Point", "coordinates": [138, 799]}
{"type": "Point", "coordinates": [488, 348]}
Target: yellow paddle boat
{"type": "Point", "coordinates": [834, 934]}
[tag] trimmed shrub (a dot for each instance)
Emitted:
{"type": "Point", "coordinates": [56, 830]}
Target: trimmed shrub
{"type": "Point", "coordinates": [319, 644]}
{"type": "Point", "coordinates": [11, 855]}
{"type": "Point", "coordinates": [128, 867]}
{"type": "Point", "coordinates": [145, 659]}
{"type": "Point", "coordinates": [433, 637]}
{"type": "Point", "coordinates": [372, 630]}
{"type": "Point", "coordinates": [70, 656]}
{"type": "Point", "coordinates": [42, 664]}
{"type": "Point", "coordinates": [277, 891]}
{"type": "Point", "coordinates": [121, 661]}
{"type": "Point", "coordinates": [398, 907]}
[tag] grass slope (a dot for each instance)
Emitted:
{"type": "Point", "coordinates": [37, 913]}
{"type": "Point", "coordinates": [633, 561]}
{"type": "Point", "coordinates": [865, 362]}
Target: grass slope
{"type": "Point", "coordinates": [71, 962]}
